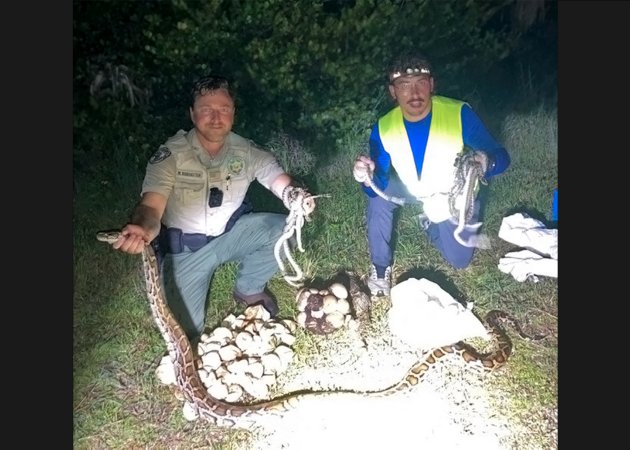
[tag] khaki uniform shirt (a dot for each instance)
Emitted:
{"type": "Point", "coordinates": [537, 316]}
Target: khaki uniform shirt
{"type": "Point", "coordinates": [184, 172]}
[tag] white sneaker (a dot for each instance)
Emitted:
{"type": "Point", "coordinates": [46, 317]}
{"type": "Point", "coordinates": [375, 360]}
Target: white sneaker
{"type": "Point", "coordinates": [380, 286]}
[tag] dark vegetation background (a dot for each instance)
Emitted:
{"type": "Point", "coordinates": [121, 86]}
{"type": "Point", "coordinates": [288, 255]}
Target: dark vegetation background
{"type": "Point", "coordinates": [310, 70]}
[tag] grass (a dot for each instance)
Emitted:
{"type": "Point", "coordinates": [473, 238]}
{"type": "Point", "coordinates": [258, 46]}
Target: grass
{"type": "Point", "coordinates": [118, 402]}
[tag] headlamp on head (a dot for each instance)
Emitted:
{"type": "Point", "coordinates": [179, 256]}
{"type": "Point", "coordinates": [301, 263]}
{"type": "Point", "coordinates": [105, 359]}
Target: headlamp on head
{"type": "Point", "coordinates": [409, 65]}
{"type": "Point", "coordinates": [410, 71]}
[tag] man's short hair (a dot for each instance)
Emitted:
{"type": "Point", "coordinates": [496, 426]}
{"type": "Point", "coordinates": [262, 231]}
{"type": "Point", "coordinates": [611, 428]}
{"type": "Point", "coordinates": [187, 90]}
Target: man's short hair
{"type": "Point", "coordinates": [210, 83]}
{"type": "Point", "coordinates": [409, 64]}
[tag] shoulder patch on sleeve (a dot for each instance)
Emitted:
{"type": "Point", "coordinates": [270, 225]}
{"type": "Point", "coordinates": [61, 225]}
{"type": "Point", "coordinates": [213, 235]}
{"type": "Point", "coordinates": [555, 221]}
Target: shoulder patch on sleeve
{"type": "Point", "coordinates": [160, 155]}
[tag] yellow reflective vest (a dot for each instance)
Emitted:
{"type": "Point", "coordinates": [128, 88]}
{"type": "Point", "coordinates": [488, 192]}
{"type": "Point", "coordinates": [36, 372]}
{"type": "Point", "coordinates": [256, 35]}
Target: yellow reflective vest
{"type": "Point", "coordinates": [444, 144]}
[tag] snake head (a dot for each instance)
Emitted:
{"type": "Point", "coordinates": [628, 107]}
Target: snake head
{"type": "Point", "coordinates": [108, 236]}
{"type": "Point", "coordinates": [308, 204]}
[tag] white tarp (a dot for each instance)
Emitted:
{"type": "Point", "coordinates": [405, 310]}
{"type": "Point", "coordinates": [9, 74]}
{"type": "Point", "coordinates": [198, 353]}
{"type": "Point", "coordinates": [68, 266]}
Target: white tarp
{"type": "Point", "coordinates": [425, 316]}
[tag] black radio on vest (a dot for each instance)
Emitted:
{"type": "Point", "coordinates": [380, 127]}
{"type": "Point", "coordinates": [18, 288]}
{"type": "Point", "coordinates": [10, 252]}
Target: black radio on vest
{"type": "Point", "coordinates": [216, 197]}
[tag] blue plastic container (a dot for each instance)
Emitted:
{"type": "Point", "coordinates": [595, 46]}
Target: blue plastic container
{"type": "Point", "coordinates": [554, 206]}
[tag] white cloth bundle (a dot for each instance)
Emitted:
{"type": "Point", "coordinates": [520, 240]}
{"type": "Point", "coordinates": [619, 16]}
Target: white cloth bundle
{"type": "Point", "coordinates": [425, 316]}
{"type": "Point", "coordinates": [540, 256]}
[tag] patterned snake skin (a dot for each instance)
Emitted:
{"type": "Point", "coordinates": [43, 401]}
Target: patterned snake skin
{"type": "Point", "coordinates": [246, 415]}
{"type": "Point", "coordinates": [468, 176]}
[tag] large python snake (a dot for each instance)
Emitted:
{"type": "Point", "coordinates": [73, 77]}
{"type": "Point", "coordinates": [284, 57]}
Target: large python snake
{"type": "Point", "coordinates": [247, 415]}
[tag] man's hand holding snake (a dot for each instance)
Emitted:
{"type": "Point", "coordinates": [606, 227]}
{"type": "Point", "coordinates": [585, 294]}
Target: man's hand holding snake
{"type": "Point", "coordinates": [132, 239]}
{"type": "Point", "coordinates": [363, 167]}
{"type": "Point", "coordinates": [298, 199]}
{"type": "Point", "coordinates": [481, 157]}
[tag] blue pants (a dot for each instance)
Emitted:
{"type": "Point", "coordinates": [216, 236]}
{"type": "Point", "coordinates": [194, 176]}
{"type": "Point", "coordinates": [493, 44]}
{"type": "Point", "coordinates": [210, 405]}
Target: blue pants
{"type": "Point", "coordinates": [380, 223]}
{"type": "Point", "coordinates": [186, 276]}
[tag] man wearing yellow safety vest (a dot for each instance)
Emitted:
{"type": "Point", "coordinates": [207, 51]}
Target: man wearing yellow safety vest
{"type": "Point", "coordinates": [413, 150]}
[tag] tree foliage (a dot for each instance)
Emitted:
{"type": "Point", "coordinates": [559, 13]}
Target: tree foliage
{"type": "Point", "coordinates": [310, 68]}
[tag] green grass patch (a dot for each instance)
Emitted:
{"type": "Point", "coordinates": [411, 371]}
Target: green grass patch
{"type": "Point", "coordinates": [119, 403]}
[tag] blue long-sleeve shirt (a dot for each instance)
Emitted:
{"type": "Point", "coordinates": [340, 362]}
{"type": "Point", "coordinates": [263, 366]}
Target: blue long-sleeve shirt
{"type": "Point", "coordinates": [474, 133]}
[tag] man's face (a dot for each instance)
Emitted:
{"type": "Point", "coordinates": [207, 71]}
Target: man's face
{"type": "Point", "coordinates": [213, 115]}
{"type": "Point", "coordinates": [413, 94]}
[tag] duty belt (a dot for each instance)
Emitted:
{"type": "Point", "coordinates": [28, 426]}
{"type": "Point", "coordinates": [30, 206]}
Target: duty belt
{"type": "Point", "coordinates": [174, 240]}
